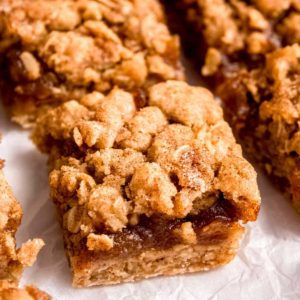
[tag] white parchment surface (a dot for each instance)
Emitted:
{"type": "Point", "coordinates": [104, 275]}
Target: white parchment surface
{"type": "Point", "coordinates": [267, 266]}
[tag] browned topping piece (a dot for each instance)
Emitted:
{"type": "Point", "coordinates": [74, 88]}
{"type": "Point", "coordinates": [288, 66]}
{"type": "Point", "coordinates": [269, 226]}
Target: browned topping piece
{"type": "Point", "coordinates": [99, 242]}
{"type": "Point", "coordinates": [186, 233]}
{"type": "Point", "coordinates": [127, 180]}
{"type": "Point", "coordinates": [28, 293]}
{"type": "Point", "coordinates": [57, 50]}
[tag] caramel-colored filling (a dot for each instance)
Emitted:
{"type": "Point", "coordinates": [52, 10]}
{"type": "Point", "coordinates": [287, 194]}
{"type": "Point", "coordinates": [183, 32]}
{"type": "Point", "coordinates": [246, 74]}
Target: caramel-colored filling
{"type": "Point", "coordinates": [156, 232]}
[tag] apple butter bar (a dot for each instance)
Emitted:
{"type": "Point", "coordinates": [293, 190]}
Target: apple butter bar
{"type": "Point", "coordinates": [54, 51]}
{"type": "Point", "coordinates": [251, 60]}
{"type": "Point", "coordinates": [13, 260]}
{"type": "Point", "coordinates": [161, 189]}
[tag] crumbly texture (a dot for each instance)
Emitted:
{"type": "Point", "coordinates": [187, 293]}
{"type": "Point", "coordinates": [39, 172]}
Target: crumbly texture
{"type": "Point", "coordinates": [231, 34]}
{"type": "Point", "coordinates": [54, 51]}
{"type": "Point", "coordinates": [264, 111]}
{"type": "Point", "coordinates": [13, 260]}
{"type": "Point", "coordinates": [128, 179]}
{"type": "Point", "coordinates": [27, 293]}
{"type": "Point", "coordinates": [251, 61]}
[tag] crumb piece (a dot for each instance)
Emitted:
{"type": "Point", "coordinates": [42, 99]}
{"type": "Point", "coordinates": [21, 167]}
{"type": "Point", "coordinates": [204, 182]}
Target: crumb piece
{"type": "Point", "coordinates": [273, 7]}
{"type": "Point", "coordinates": [257, 43]}
{"type": "Point", "coordinates": [27, 293]}
{"type": "Point", "coordinates": [99, 242]}
{"type": "Point", "coordinates": [31, 65]}
{"type": "Point", "coordinates": [151, 190]}
{"type": "Point", "coordinates": [213, 60]}
{"type": "Point", "coordinates": [177, 150]}
{"type": "Point", "coordinates": [289, 28]}
{"type": "Point", "coordinates": [186, 233]}
{"type": "Point", "coordinates": [191, 106]}
{"type": "Point", "coordinates": [107, 205]}
{"type": "Point", "coordinates": [108, 119]}
{"type": "Point", "coordinates": [28, 252]}
{"type": "Point", "coordinates": [116, 162]}
{"type": "Point", "coordinates": [137, 133]}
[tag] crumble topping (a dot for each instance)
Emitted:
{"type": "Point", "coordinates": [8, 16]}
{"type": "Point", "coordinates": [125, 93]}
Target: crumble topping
{"type": "Point", "coordinates": [151, 190]}
{"type": "Point", "coordinates": [236, 31]}
{"type": "Point", "coordinates": [167, 158]}
{"type": "Point", "coordinates": [272, 112]}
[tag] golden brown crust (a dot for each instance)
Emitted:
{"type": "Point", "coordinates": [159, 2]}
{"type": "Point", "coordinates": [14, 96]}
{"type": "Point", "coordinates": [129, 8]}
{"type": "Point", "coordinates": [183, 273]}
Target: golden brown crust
{"type": "Point", "coordinates": [235, 33]}
{"type": "Point", "coordinates": [119, 171]}
{"type": "Point", "coordinates": [58, 50]}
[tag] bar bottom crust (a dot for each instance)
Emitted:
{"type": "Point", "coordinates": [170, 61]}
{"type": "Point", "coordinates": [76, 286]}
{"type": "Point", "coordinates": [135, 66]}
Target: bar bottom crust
{"type": "Point", "coordinates": [218, 244]}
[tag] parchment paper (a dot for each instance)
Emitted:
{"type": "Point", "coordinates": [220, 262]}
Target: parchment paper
{"type": "Point", "coordinates": [267, 266]}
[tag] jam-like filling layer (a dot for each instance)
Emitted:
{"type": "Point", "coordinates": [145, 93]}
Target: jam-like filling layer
{"type": "Point", "coordinates": [156, 232]}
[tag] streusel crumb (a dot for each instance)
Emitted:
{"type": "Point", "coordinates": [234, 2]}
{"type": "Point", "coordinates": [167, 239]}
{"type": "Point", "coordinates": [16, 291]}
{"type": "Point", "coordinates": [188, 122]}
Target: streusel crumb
{"type": "Point", "coordinates": [235, 33]}
{"type": "Point", "coordinates": [27, 293]}
{"type": "Point", "coordinates": [13, 260]}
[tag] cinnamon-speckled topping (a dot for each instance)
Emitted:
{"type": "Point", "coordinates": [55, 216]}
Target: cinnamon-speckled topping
{"type": "Point", "coordinates": [178, 160]}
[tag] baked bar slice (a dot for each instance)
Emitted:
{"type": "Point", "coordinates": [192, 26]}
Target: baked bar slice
{"type": "Point", "coordinates": [54, 51]}
{"type": "Point", "coordinates": [263, 106]}
{"type": "Point", "coordinates": [146, 191]}
{"type": "Point", "coordinates": [251, 53]}
{"type": "Point", "coordinates": [13, 260]}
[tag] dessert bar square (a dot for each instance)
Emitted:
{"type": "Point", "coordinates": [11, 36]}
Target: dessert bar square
{"type": "Point", "coordinates": [264, 112]}
{"type": "Point", "coordinates": [251, 60]}
{"type": "Point", "coordinates": [161, 189]}
{"type": "Point", "coordinates": [54, 51]}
